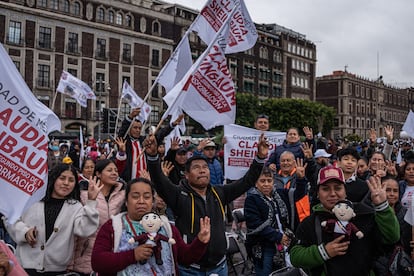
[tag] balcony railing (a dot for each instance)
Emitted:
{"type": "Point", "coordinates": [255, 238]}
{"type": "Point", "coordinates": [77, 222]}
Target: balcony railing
{"type": "Point", "coordinates": [44, 83]}
{"type": "Point", "coordinates": [99, 54]}
{"type": "Point", "coordinates": [127, 58]}
{"type": "Point", "coordinates": [73, 49]}
{"type": "Point", "coordinates": [45, 44]}
{"type": "Point", "coordinates": [12, 40]}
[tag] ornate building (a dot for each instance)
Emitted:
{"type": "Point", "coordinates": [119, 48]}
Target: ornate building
{"type": "Point", "coordinates": [362, 104]}
{"type": "Point", "coordinates": [106, 42]}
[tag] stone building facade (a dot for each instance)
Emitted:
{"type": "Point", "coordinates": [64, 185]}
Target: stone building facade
{"type": "Point", "coordinates": [106, 42]}
{"type": "Point", "coordinates": [362, 104]}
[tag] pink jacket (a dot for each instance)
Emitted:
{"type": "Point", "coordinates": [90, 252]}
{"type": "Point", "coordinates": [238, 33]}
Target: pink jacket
{"type": "Point", "coordinates": [83, 246]}
{"type": "Point", "coordinates": [17, 270]}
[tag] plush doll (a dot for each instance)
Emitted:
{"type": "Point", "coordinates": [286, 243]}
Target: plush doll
{"type": "Point", "coordinates": [151, 222]}
{"type": "Point", "coordinates": [344, 212]}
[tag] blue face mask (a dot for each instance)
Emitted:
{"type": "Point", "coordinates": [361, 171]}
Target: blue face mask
{"type": "Point", "coordinates": [54, 148]}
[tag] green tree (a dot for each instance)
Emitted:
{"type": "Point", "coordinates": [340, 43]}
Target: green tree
{"type": "Point", "coordinates": [247, 108]}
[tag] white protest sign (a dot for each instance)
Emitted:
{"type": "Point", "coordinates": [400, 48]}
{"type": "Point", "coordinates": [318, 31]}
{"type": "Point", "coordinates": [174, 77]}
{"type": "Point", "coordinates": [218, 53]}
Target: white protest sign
{"type": "Point", "coordinates": [241, 148]}
{"type": "Point", "coordinates": [24, 126]}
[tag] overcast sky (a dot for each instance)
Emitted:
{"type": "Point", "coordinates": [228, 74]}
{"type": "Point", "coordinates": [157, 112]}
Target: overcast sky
{"type": "Point", "coordinates": [351, 32]}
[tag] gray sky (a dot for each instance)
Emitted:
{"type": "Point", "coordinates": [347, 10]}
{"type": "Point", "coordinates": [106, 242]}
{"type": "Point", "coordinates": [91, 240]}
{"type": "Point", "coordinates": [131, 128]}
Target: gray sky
{"type": "Point", "coordinates": [352, 33]}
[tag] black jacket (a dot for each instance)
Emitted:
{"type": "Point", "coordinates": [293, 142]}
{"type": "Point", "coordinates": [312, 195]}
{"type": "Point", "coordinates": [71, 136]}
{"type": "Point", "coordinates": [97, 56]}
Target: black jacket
{"type": "Point", "coordinates": [184, 202]}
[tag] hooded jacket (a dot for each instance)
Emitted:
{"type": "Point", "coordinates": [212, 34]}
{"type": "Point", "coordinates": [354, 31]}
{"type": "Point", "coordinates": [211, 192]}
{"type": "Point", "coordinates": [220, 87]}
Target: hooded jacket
{"type": "Point", "coordinates": [189, 206]}
{"type": "Point", "coordinates": [379, 228]}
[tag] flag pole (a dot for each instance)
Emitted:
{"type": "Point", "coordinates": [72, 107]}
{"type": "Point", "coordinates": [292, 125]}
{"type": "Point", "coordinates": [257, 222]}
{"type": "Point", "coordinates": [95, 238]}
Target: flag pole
{"type": "Point", "coordinates": [200, 59]}
{"type": "Point", "coordinates": [54, 100]}
{"type": "Point", "coordinates": [117, 116]}
{"type": "Point", "coordinates": [119, 111]}
{"type": "Point", "coordinates": [160, 73]}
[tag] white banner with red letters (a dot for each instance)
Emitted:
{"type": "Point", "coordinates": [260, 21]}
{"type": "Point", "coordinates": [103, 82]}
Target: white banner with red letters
{"type": "Point", "coordinates": [242, 35]}
{"type": "Point", "coordinates": [207, 88]}
{"type": "Point", "coordinates": [241, 148]}
{"type": "Point", "coordinates": [24, 126]}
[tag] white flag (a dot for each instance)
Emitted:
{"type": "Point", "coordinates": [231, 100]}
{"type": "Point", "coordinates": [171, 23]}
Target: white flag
{"type": "Point", "coordinates": [243, 33]}
{"type": "Point", "coordinates": [24, 126]}
{"type": "Point", "coordinates": [409, 124]}
{"type": "Point", "coordinates": [176, 67]}
{"type": "Point", "coordinates": [74, 87]}
{"type": "Point", "coordinates": [134, 101]}
{"type": "Point", "coordinates": [207, 92]}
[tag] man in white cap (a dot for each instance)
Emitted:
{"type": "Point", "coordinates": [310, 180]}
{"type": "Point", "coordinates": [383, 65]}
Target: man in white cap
{"type": "Point", "coordinates": [322, 157]}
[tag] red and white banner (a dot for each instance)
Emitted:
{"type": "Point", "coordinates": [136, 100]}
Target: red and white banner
{"type": "Point", "coordinates": [243, 33]}
{"type": "Point", "coordinates": [75, 88]}
{"type": "Point", "coordinates": [207, 92]}
{"type": "Point", "coordinates": [134, 101]}
{"type": "Point", "coordinates": [241, 148]}
{"type": "Point", "coordinates": [24, 126]}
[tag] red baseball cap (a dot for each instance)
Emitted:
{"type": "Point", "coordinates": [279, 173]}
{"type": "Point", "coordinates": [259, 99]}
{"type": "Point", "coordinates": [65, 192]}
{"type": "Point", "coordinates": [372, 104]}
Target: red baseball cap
{"type": "Point", "coordinates": [330, 173]}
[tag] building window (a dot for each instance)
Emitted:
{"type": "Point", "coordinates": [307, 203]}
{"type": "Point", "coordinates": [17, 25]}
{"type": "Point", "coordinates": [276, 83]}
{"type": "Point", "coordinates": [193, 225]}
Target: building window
{"type": "Point", "coordinates": [111, 17]}
{"type": "Point", "coordinates": [249, 70]}
{"type": "Point", "coordinates": [128, 20]}
{"type": "Point", "coordinates": [54, 4]}
{"type": "Point", "coordinates": [277, 92]}
{"type": "Point", "coordinates": [100, 82]}
{"type": "Point", "coordinates": [155, 61]}
{"type": "Point", "coordinates": [101, 48]}
{"type": "Point", "coordinates": [76, 8]}
{"type": "Point", "coordinates": [119, 19]}
{"type": "Point", "coordinates": [263, 90]}
{"type": "Point", "coordinates": [126, 52]}
{"type": "Point", "coordinates": [45, 37]}
{"type": "Point", "coordinates": [277, 56]}
{"type": "Point", "coordinates": [156, 28]}
{"type": "Point", "coordinates": [263, 53]}
{"type": "Point", "coordinates": [248, 86]}
{"type": "Point", "coordinates": [155, 92]}
{"type": "Point", "coordinates": [126, 79]}
{"type": "Point", "coordinates": [43, 72]}
{"type": "Point", "coordinates": [66, 6]}
{"type": "Point", "coordinates": [70, 108]}
{"type": "Point", "coordinates": [15, 32]}
{"type": "Point", "coordinates": [73, 43]}
{"type": "Point", "coordinates": [42, 3]}
{"type": "Point", "coordinates": [100, 14]}
{"type": "Point", "coordinates": [155, 113]}
{"type": "Point", "coordinates": [73, 72]}
{"type": "Point", "coordinates": [249, 52]}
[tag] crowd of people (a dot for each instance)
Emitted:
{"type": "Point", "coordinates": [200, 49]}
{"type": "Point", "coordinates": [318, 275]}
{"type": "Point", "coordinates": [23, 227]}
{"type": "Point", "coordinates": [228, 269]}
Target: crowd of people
{"type": "Point", "coordinates": [95, 205]}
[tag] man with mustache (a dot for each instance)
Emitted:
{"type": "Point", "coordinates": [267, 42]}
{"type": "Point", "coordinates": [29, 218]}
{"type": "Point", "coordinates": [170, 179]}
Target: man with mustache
{"type": "Point", "coordinates": [195, 197]}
